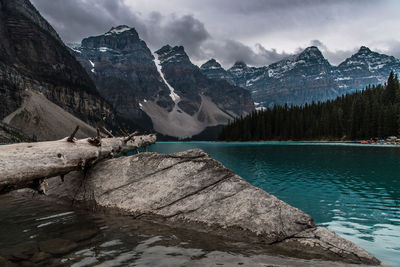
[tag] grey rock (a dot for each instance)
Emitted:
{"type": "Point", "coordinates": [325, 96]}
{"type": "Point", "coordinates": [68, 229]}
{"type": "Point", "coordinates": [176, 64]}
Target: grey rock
{"type": "Point", "coordinates": [190, 189]}
{"type": "Point", "coordinates": [318, 242]}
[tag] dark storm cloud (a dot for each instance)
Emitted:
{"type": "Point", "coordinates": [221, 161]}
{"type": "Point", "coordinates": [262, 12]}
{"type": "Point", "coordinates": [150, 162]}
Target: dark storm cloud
{"type": "Point", "coordinates": [262, 6]}
{"type": "Point", "coordinates": [174, 30]}
{"type": "Point", "coordinates": [77, 19]}
{"type": "Point", "coordinates": [229, 51]}
{"type": "Point", "coordinates": [258, 32]}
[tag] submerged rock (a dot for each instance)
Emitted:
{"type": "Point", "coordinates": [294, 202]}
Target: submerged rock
{"type": "Point", "coordinates": [57, 246]}
{"type": "Point", "coordinates": [40, 256]}
{"type": "Point", "coordinates": [81, 235]}
{"type": "Point", "coordinates": [191, 189]}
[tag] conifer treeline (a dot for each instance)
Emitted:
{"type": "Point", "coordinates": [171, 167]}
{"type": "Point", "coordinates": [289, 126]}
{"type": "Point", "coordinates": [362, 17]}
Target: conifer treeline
{"type": "Point", "coordinates": [374, 112]}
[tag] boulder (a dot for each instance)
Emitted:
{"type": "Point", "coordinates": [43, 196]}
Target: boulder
{"type": "Point", "coordinates": [190, 189]}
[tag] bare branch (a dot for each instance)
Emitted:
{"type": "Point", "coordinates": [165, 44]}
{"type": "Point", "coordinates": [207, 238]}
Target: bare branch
{"type": "Point", "coordinates": [97, 140]}
{"type": "Point", "coordinates": [131, 136]}
{"type": "Point", "coordinates": [108, 133]}
{"type": "Point", "coordinates": [71, 138]}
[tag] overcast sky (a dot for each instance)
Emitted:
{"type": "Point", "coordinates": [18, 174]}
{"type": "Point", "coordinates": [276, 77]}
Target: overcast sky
{"type": "Point", "coordinates": [258, 32]}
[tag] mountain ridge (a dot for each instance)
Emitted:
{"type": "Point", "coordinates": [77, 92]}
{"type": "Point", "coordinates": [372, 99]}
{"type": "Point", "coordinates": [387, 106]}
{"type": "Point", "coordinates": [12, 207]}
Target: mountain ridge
{"type": "Point", "coordinates": [308, 76]}
{"type": "Point", "coordinates": [163, 89]}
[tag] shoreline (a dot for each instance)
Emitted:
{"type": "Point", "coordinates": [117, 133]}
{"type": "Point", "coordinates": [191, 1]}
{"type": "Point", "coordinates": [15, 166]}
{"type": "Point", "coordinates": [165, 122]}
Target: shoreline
{"type": "Point", "coordinates": [358, 143]}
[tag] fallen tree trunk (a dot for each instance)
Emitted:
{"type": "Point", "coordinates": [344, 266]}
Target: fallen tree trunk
{"type": "Point", "coordinates": [27, 164]}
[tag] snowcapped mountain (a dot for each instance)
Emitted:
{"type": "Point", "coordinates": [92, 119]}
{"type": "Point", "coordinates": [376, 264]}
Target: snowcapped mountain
{"type": "Point", "coordinates": [308, 76]}
{"type": "Point", "coordinates": [163, 90]}
{"type": "Point", "coordinates": [122, 67]}
{"type": "Point", "coordinates": [242, 74]}
{"type": "Point", "coordinates": [366, 67]}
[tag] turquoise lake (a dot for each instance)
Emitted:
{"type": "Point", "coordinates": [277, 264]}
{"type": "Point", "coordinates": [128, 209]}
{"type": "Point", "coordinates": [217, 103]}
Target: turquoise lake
{"type": "Point", "coordinates": [351, 189]}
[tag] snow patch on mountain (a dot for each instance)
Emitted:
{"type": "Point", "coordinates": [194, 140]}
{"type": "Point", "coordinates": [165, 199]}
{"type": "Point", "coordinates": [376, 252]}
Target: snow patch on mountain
{"type": "Point", "coordinates": [118, 30]}
{"type": "Point", "coordinates": [174, 96]}
{"type": "Point", "coordinates": [91, 63]}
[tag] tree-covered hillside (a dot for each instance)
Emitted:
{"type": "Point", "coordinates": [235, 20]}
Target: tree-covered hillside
{"type": "Point", "coordinates": [374, 112]}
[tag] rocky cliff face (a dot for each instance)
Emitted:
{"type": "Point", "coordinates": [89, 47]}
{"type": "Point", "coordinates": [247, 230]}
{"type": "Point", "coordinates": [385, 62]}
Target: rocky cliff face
{"type": "Point", "coordinates": [9, 135]}
{"type": "Point", "coordinates": [33, 57]}
{"type": "Point", "coordinates": [213, 70]}
{"type": "Point", "coordinates": [308, 77]}
{"type": "Point", "coordinates": [200, 102]}
{"type": "Point", "coordinates": [166, 86]}
{"type": "Point", "coordinates": [190, 84]}
{"type": "Point", "coordinates": [123, 69]}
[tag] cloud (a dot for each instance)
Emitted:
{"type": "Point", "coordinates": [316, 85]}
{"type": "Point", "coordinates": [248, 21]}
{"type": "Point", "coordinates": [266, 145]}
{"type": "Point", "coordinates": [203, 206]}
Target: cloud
{"type": "Point", "coordinates": [335, 57]}
{"type": "Point", "coordinates": [77, 19]}
{"type": "Point", "coordinates": [227, 52]}
{"type": "Point", "coordinates": [390, 47]}
{"type": "Point", "coordinates": [176, 30]}
{"type": "Point", "coordinates": [258, 32]}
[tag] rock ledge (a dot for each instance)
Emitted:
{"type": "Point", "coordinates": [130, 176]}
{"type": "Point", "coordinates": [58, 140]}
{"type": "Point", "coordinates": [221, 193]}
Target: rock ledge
{"type": "Point", "coordinates": [194, 190]}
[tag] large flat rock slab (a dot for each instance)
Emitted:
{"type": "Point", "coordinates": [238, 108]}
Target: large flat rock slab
{"type": "Point", "coordinates": [192, 189]}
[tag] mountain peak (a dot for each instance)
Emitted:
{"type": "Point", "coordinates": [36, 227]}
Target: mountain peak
{"type": "Point", "coordinates": [364, 50]}
{"type": "Point", "coordinates": [176, 54]}
{"type": "Point", "coordinates": [212, 63]}
{"type": "Point", "coordinates": [119, 38]}
{"type": "Point", "coordinates": [312, 49]}
{"type": "Point", "coordinates": [239, 65]}
{"type": "Point", "coordinates": [311, 52]}
{"type": "Point", "coordinates": [119, 29]}
{"type": "Point", "coordinates": [312, 55]}
{"type": "Point", "coordinates": [167, 49]}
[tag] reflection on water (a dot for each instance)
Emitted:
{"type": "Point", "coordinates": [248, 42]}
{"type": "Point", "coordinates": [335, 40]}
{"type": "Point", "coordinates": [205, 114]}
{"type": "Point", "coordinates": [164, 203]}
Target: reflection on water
{"type": "Point", "coordinates": [353, 190]}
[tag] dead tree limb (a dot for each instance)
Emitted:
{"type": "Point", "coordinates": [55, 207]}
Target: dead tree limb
{"type": "Point", "coordinates": [71, 138]}
{"type": "Point", "coordinates": [107, 132]}
{"type": "Point", "coordinates": [131, 136]}
{"type": "Point", "coordinates": [21, 164]}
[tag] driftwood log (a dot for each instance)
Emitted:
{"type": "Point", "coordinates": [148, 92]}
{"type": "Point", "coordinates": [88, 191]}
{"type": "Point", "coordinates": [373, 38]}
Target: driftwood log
{"type": "Point", "coordinates": [29, 164]}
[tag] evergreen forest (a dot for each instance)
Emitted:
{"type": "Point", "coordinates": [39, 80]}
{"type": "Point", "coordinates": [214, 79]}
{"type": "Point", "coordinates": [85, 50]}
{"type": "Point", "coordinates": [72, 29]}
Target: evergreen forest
{"type": "Point", "coordinates": [371, 113]}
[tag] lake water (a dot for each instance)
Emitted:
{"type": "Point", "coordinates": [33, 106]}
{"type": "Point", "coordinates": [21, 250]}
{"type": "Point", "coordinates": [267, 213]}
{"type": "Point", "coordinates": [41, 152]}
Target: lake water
{"type": "Point", "coordinates": [351, 189]}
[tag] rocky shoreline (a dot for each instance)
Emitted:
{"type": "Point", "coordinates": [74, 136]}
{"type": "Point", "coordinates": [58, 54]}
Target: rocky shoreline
{"type": "Point", "coordinates": [193, 191]}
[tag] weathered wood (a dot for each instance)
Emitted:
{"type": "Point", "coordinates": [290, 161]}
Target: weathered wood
{"type": "Point", "coordinates": [21, 164]}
